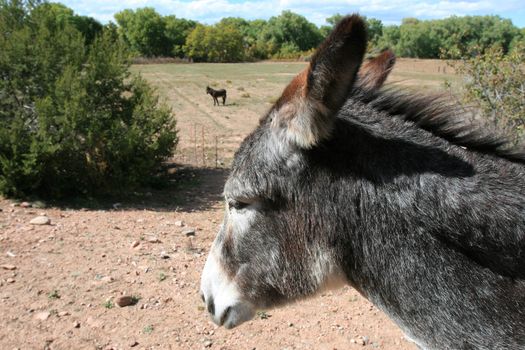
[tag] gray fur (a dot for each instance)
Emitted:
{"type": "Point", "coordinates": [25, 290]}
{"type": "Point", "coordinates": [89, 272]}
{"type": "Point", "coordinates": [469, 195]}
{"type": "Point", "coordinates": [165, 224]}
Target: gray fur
{"type": "Point", "coordinates": [430, 232]}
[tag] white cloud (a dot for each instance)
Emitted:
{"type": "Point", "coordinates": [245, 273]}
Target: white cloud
{"type": "Point", "coordinates": [390, 11]}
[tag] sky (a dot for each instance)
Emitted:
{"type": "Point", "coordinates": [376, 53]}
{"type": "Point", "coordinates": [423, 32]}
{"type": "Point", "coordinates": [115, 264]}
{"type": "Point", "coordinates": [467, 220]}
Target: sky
{"type": "Point", "coordinates": [388, 11]}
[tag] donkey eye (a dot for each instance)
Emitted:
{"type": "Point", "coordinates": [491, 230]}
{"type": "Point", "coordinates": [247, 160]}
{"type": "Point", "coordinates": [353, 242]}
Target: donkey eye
{"type": "Point", "coordinates": [238, 205]}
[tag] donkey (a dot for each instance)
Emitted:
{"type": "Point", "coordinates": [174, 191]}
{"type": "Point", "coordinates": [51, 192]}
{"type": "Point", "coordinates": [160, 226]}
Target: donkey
{"type": "Point", "coordinates": [346, 183]}
{"type": "Point", "coordinates": [216, 94]}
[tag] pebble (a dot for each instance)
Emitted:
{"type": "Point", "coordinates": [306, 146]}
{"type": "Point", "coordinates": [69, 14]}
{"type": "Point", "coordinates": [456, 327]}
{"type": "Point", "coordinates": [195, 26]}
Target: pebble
{"type": "Point", "coordinates": [25, 205]}
{"type": "Point", "coordinates": [107, 279]}
{"type": "Point", "coordinates": [179, 223]}
{"type": "Point", "coordinates": [135, 244]}
{"type": "Point", "coordinates": [208, 344]}
{"type": "Point", "coordinates": [133, 343]}
{"type": "Point", "coordinates": [164, 255]}
{"type": "Point", "coordinates": [11, 254]}
{"type": "Point", "coordinates": [153, 240]}
{"type": "Point", "coordinates": [9, 267]}
{"type": "Point", "coordinates": [189, 232]}
{"type": "Point", "coordinates": [63, 313]}
{"type": "Point", "coordinates": [42, 316]}
{"type": "Point", "coordinates": [76, 324]}
{"type": "Point", "coordinates": [124, 301]}
{"type": "Point", "coordinates": [10, 280]}
{"type": "Point", "coordinates": [40, 220]}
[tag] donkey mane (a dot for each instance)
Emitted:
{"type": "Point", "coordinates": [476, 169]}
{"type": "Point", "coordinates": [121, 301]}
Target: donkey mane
{"type": "Point", "coordinates": [444, 119]}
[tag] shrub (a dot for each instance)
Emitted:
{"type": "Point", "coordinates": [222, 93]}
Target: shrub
{"type": "Point", "coordinates": [72, 119]}
{"type": "Point", "coordinates": [495, 83]}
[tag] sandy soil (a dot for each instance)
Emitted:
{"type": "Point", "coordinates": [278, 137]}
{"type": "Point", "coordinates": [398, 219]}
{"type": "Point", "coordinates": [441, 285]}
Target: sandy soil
{"type": "Point", "coordinates": [59, 283]}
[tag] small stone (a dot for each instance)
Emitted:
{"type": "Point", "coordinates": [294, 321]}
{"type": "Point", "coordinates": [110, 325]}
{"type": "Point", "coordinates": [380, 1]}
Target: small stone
{"type": "Point", "coordinates": [10, 280]}
{"type": "Point", "coordinates": [107, 279]}
{"type": "Point", "coordinates": [25, 205]}
{"type": "Point", "coordinates": [40, 220]}
{"type": "Point", "coordinates": [133, 343]}
{"type": "Point", "coordinates": [9, 267]}
{"type": "Point", "coordinates": [63, 313]}
{"type": "Point", "coordinates": [164, 255]}
{"type": "Point", "coordinates": [153, 239]}
{"type": "Point", "coordinates": [76, 324]}
{"type": "Point", "coordinates": [179, 223]}
{"type": "Point", "coordinates": [125, 301]}
{"type": "Point", "coordinates": [11, 254]}
{"type": "Point", "coordinates": [135, 244]}
{"type": "Point", "coordinates": [208, 344]}
{"type": "Point", "coordinates": [42, 316]}
{"type": "Point", "coordinates": [189, 232]}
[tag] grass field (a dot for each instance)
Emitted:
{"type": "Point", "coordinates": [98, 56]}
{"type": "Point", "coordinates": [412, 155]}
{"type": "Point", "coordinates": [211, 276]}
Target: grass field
{"type": "Point", "coordinates": [252, 89]}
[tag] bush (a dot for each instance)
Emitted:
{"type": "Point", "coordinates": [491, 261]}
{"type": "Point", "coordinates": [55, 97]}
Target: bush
{"type": "Point", "coordinates": [495, 83]}
{"type": "Point", "coordinates": [72, 120]}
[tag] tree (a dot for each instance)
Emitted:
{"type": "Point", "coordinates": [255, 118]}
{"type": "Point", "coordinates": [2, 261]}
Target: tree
{"type": "Point", "coordinates": [72, 120]}
{"type": "Point", "coordinates": [145, 32]}
{"type": "Point", "coordinates": [176, 32]}
{"type": "Point", "coordinates": [219, 43]}
{"type": "Point", "coordinates": [290, 30]}
{"type": "Point", "coordinates": [495, 84]}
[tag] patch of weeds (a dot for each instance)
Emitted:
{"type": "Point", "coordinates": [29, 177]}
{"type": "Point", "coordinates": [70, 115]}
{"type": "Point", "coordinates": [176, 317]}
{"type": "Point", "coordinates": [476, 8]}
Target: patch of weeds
{"type": "Point", "coordinates": [162, 276]}
{"type": "Point", "coordinates": [148, 329]}
{"type": "Point", "coordinates": [109, 304]}
{"type": "Point", "coordinates": [214, 84]}
{"type": "Point", "coordinates": [228, 81]}
{"type": "Point", "coordinates": [240, 88]}
{"type": "Point", "coordinates": [263, 315]}
{"type": "Point", "coordinates": [54, 295]}
{"type": "Point", "coordinates": [200, 308]}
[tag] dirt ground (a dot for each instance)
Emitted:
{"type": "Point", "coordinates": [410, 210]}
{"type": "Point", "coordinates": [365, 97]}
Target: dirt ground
{"type": "Point", "coordinates": [59, 282]}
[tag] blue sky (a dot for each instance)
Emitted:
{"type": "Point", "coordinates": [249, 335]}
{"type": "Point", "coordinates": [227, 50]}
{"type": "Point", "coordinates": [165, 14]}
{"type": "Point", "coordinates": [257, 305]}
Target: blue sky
{"type": "Point", "coordinates": [389, 11]}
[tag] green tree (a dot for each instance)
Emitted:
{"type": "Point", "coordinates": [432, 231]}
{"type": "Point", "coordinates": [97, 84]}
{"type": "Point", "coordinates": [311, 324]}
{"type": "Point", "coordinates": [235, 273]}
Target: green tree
{"type": "Point", "coordinates": [290, 30]}
{"type": "Point", "coordinates": [219, 43]}
{"type": "Point", "coordinates": [72, 120]}
{"type": "Point", "coordinates": [495, 83]}
{"type": "Point", "coordinates": [176, 32]}
{"type": "Point", "coordinates": [144, 30]}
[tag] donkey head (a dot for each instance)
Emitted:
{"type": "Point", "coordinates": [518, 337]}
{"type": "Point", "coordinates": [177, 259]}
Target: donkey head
{"type": "Point", "coordinates": [272, 247]}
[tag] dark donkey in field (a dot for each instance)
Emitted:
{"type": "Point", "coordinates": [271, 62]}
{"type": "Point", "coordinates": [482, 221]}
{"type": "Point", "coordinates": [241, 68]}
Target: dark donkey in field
{"type": "Point", "coordinates": [216, 94]}
{"type": "Point", "coordinates": [343, 183]}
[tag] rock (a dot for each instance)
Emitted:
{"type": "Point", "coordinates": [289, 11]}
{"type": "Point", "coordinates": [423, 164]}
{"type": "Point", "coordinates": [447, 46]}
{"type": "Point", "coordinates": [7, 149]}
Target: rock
{"type": "Point", "coordinates": [76, 324]}
{"type": "Point", "coordinates": [11, 254]}
{"type": "Point", "coordinates": [188, 232]}
{"type": "Point", "coordinates": [164, 255]}
{"type": "Point", "coordinates": [40, 220]}
{"type": "Point", "coordinates": [107, 279]}
{"type": "Point", "coordinates": [153, 239]}
{"type": "Point", "coordinates": [135, 244]}
{"type": "Point", "coordinates": [42, 316]}
{"type": "Point", "coordinates": [9, 267]}
{"type": "Point", "coordinates": [125, 300]}
{"type": "Point", "coordinates": [208, 344]}
{"type": "Point", "coordinates": [133, 343]}
{"type": "Point", "coordinates": [179, 223]}
{"type": "Point", "coordinates": [10, 280]}
{"type": "Point", "coordinates": [63, 313]}
{"type": "Point", "coordinates": [25, 205]}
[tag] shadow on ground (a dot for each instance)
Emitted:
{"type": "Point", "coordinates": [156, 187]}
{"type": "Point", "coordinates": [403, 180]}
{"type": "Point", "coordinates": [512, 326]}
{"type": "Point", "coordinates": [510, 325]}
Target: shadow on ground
{"type": "Point", "coordinates": [187, 189]}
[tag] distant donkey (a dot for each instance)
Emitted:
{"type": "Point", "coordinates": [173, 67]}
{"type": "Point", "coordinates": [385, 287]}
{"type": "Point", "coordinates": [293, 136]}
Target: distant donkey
{"type": "Point", "coordinates": [216, 94]}
{"type": "Point", "coordinates": [345, 183]}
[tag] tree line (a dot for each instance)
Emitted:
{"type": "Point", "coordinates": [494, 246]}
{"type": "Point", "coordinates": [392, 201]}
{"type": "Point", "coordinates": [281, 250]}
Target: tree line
{"type": "Point", "coordinates": [290, 35]}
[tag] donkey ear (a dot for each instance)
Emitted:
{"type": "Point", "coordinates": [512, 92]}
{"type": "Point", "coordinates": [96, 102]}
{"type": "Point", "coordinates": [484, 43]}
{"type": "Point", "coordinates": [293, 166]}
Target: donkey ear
{"type": "Point", "coordinates": [375, 71]}
{"type": "Point", "coordinates": [308, 104]}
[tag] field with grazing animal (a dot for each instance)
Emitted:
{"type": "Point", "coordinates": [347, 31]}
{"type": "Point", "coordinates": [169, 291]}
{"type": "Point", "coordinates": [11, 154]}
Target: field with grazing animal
{"type": "Point", "coordinates": [60, 282]}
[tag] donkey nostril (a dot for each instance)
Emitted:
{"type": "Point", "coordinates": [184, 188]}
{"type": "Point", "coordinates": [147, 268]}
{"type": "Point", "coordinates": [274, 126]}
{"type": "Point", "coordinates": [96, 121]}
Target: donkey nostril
{"type": "Point", "coordinates": [224, 316]}
{"type": "Point", "coordinates": [211, 306]}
